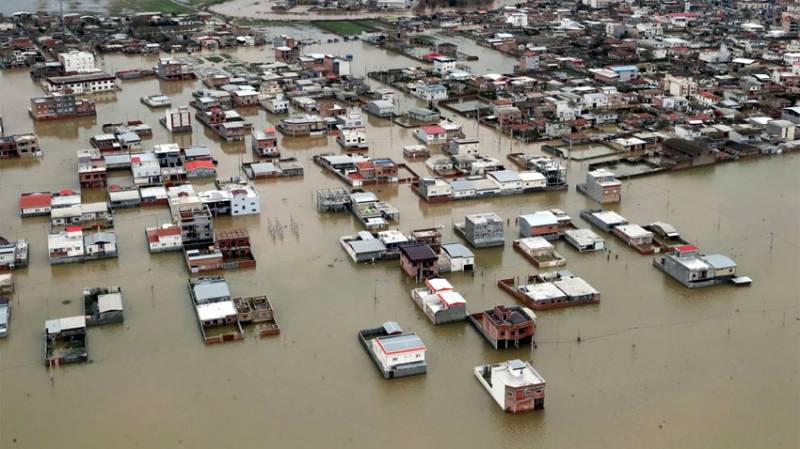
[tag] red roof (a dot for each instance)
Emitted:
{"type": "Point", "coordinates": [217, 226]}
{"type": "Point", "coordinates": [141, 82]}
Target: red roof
{"type": "Point", "coordinates": [154, 234]}
{"type": "Point", "coordinates": [365, 165]}
{"type": "Point", "coordinates": [66, 192]}
{"type": "Point", "coordinates": [74, 229]}
{"type": "Point", "coordinates": [431, 56]}
{"type": "Point", "coordinates": [685, 248]}
{"type": "Point", "coordinates": [434, 129]}
{"type": "Point", "coordinates": [202, 163]}
{"type": "Point", "coordinates": [34, 200]}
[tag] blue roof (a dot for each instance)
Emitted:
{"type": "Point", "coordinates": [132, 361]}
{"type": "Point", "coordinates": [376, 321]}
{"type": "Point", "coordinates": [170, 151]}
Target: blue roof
{"type": "Point", "coordinates": [462, 185]}
{"type": "Point", "coordinates": [434, 87]}
{"type": "Point", "coordinates": [457, 250]}
{"type": "Point", "coordinates": [624, 68]}
{"type": "Point", "coordinates": [719, 261]}
{"type": "Point", "coordinates": [401, 343]}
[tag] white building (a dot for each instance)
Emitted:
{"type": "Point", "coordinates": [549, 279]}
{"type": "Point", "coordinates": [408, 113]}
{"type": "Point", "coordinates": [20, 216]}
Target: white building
{"type": "Point", "coordinates": [459, 147]}
{"type": "Point", "coordinates": [595, 100]}
{"type": "Point", "coordinates": [352, 139]}
{"type": "Point", "coordinates": [244, 199]}
{"type": "Point", "coordinates": [444, 65]}
{"type": "Point", "coordinates": [517, 19]}
{"type": "Point", "coordinates": [277, 105]}
{"type": "Point", "coordinates": [397, 350]}
{"type": "Point", "coordinates": [85, 83]}
{"type": "Point", "coordinates": [394, 4]}
{"type": "Point", "coordinates": [458, 257]}
{"type": "Point", "coordinates": [77, 62]}
{"type": "Point", "coordinates": [430, 92]}
{"type": "Point", "coordinates": [515, 385]}
{"type": "Point", "coordinates": [65, 245]}
{"type": "Point", "coordinates": [176, 120]}
{"type": "Point", "coordinates": [166, 237]}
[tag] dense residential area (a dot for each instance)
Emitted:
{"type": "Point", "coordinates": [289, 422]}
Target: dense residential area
{"type": "Point", "coordinates": [490, 203]}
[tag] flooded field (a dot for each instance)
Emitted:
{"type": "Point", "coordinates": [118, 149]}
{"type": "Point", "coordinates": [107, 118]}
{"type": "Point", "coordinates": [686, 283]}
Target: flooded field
{"type": "Point", "coordinates": [652, 365]}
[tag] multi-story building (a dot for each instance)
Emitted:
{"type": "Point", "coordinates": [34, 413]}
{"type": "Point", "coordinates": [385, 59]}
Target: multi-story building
{"type": "Point", "coordinates": [77, 62]}
{"type": "Point", "coordinates": [169, 69]}
{"type": "Point", "coordinates": [54, 107]}
{"type": "Point", "coordinates": [197, 227]}
{"type": "Point", "coordinates": [91, 169]}
{"type": "Point", "coordinates": [19, 145]}
{"type": "Point", "coordinates": [84, 83]}
{"type": "Point", "coordinates": [602, 186]}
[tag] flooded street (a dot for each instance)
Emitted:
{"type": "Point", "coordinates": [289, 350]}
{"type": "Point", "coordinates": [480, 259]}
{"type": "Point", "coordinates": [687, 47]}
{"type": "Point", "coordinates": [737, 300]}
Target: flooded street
{"type": "Point", "coordinates": [657, 365]}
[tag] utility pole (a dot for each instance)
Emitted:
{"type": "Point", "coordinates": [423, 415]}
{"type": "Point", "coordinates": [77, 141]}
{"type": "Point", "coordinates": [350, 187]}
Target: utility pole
{"type": "Point", "coordinates": [61, 12]}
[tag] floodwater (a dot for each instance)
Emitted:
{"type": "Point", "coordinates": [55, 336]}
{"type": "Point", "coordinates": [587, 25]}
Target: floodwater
{"type": "Point", "coordinates": [262, 9]}
{"type": "Point", "coordinates": [657, 365]}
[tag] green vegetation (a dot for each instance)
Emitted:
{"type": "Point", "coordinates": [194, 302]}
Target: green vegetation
{"type": "Point", "coordinates": [346, 27]}
{"type": "Point", "coordinates": [216, 59]}
{"type": "Point", "coordinates": [166, 6]}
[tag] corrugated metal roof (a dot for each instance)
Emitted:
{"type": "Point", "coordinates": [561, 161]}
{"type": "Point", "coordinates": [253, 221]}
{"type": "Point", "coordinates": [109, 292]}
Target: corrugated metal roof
{"type": "Point", "coordinates": [109, 302]}
{"type": "Point", "coordinates": [394, 344]}
{"type": "Point", "coordinates": [207, 291]}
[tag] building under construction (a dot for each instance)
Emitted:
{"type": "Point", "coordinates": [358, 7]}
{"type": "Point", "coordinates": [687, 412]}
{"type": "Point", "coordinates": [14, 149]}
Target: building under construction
{"type": "Point", "coordinates": [333, 200]}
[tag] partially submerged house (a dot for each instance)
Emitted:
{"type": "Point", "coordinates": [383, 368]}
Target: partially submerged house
{"type": "Point", "coordinates": [635, 236]}
{"type": "Point", "coordinates": [216, 313]}
{"type": "Point", "coordinates": [550, 290]}
{"type": "Point", "coordinates": [687, 265]}
{"type": "Point", "coordinates": [65, 341]}
{"type": "Point", "coordinates": [440, 303]}
{"type": "Point", "coordinates": [419, 261]}
{"type": "Point", "coordinates": [166, 237]}
{"type": "Point", "coordinates": [606, 220]}
{"type": "Point", "coordinates": [505, 326]}
{"type": "Point", "coordinates": [515, 385]}
{"type": "Point", "coordinates": [394, 352]}
{"type": "Point", "coordinates": [543, 223]}
{"type": "Point", "coordinates": [481, 230]}
{"type": "Point", "coordinates": [602, 186]}
{"type": "Point", "coordinates": [539, 252]}
{"type": "Point", "coordinates": [5, 316]}
{"type": "Point", "coordinates": [13, 254]}
{"type": "Point", "coordinates": [103, 305]}
{"type": "Point", "coordinates": [456, 257]}
{"type": "Point", "coordinates": [220, 317]}
{"type": "Point", "coordinates": [584, 240]}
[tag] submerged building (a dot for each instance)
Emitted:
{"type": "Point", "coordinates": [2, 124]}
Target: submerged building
{"type": "Point", "coordinates": [693, 269]}
{"type": "Point", "coordinates": [515, 385]}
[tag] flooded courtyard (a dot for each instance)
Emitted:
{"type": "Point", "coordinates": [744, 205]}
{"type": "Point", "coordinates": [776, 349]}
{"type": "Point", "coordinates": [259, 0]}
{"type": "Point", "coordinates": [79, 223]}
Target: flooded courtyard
{"type": "Point", "coordinates": [652, 365]}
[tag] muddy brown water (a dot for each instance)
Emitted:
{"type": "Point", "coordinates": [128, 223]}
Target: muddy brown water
{"type": "Point", "coordinates": [657, 366]}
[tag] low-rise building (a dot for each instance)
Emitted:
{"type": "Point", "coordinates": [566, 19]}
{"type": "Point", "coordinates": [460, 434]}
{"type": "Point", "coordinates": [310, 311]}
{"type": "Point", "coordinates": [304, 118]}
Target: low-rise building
{"type": "Point", "coordinates": [505, 326]}
{"type": "Point", "coordinates": [166, 237]}
{"type": "Point", "coordinates": [394, 352]}
{"type": "Point", "coordinates": [693, 269]}
{"type": "Point", "coordinates": [457, 257]}
{"type": "Point", "coordinates": [515, 385]}
{"type": "Point", "coordinates": [440, 303]}
{"type": "Point", "coordinates": [584, 240]}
